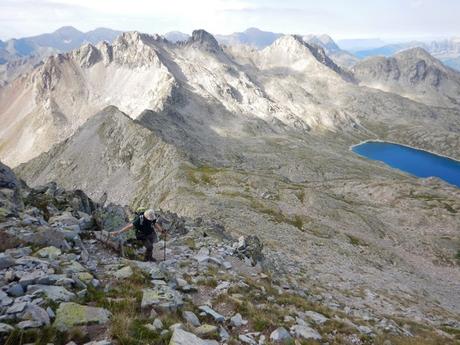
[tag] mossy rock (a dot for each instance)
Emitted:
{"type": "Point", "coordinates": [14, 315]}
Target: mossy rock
{"type": "Point", "coordinates": [71, 314]}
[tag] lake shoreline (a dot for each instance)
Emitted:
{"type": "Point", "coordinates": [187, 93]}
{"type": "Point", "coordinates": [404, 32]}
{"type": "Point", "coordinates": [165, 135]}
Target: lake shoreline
{"type": "Point", "coordinates": [395, 143]}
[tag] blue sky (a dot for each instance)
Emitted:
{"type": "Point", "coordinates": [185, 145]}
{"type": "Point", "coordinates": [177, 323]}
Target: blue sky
{"type": "Point", "coordinates": [388, 19]}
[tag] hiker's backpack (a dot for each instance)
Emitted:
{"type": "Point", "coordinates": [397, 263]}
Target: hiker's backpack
{"type": "Point", "coordinates": [139, 213]}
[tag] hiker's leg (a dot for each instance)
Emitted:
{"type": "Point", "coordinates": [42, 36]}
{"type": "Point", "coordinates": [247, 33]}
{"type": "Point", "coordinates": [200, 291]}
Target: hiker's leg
{"type": "Point", "coordinates": [148, 244]}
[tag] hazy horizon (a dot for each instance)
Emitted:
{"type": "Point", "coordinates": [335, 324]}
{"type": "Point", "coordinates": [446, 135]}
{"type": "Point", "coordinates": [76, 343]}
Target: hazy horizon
{"type": "Point", "coordinates": [391, 20]}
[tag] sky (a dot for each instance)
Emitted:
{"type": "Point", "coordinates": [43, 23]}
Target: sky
{"type": "Point", "coordinates": [386, 19]}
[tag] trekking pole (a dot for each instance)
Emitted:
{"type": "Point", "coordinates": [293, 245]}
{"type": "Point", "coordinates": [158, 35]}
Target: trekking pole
{"type": "Point", "coordinates": [164, 247]}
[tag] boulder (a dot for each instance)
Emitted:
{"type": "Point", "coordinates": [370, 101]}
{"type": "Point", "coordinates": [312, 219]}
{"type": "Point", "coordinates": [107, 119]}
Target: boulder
{"type": "Point", "coordinates": [191, 318]}
{"type": "Point", "coordinates": [71, 314]}
{"type": "Point", "coordinates": [305, 332]}
{"type": "Point", "coordinates": [205, 330]}
{"type": "Point", "coordinates": [212, 313]}
{"type": "Point", "coordinates": [6, 261]}
{"type": "Point", "coordinates": [315, 317]}
{"type": "Point", "coordinates": [5, 328]}
{"type": "Point", "coordinates": [110, 218]}
{"type": "Point", "coordinates": [54, 293]}
{"type": "Point", "coordinates": [161, 297]}
{"type": "Point", "coordinates": [237, 320]}
{"type": "Point", "coordinates": [36, 313]}
{"type": "Point", "coordinates": [123, 273]}
{"type": "Point", "coordinates": [181, 337]}
{"type": "Point", "coordinates": [15, 290]}
{"type": "Point", "coordinates": [65, 220]}
{"type": "Point", "coordinates": [49, 252]}
{"type": "Point", "coordinates": [280, 335]}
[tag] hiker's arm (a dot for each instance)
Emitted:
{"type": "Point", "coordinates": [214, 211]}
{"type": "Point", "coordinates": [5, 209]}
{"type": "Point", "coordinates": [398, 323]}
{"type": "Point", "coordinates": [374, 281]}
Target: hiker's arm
{"type": "Point", "coordinates": [159, 228]}
{"type": "Point", "coordinates": [126, 228]}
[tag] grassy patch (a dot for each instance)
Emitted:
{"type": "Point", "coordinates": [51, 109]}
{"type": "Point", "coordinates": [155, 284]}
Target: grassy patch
{"type": "Point", "coordinates": [356, 241]}
{"type": "Point", "coordinates": [277, 216]}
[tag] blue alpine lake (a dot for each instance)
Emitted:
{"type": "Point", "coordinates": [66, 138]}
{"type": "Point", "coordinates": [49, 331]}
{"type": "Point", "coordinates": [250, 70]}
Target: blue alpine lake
{"type": "Point", "coordinates": [416, 162]}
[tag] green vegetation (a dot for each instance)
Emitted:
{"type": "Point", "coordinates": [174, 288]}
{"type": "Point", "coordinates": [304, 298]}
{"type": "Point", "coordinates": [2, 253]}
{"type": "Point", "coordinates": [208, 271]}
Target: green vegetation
{"type": "Point", "coordinates": [356, 241]}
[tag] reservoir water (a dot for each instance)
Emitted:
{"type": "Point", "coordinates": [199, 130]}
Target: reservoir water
{"type": "Point", "coordinates": [416, 162]}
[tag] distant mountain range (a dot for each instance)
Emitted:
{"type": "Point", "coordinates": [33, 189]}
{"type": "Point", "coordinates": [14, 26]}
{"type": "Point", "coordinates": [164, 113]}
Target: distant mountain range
{"type": "Point", "coordinates": [18, 56]}
{"type": "Point", "coordinates": [61, 40]}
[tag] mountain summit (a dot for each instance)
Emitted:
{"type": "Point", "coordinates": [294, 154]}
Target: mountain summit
{"type": "Point", "coordinates": [414, 73]}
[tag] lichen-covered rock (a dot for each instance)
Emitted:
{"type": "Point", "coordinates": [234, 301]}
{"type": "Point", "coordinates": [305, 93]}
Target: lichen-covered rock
{"type": "Point", "coordinates": [161, 297]}
{"type": "Point", "coordinates": [110, 218]}
{"type": "Point", "coordinates": [49, 252]}
{"type": "Point", "coordinates": [123, 273]}
{"type": "Point", "coordinates": [205, 330]}
{"type": "Point", "coordinates": [71, 314]}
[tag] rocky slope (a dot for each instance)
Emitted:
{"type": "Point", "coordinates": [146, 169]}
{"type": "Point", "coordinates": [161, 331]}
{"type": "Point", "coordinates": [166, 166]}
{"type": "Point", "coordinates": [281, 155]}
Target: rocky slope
{"type": "Point", "coordinates": [63, 283]}
{"type": "Point", "coordinates": [259, 141]}
{"type": "Point", "coordinates": [413, 73]}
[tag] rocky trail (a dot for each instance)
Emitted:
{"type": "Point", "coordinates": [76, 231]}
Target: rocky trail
{"type": "Point", "coordinates": [61, 283]}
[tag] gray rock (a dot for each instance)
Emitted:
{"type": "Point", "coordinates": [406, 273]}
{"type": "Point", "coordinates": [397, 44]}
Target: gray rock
{"type": "Point", "coordinates": [280, 335]}
{"type": "Point", "coordinates": [16, 308]}
{"type": "Point", "coordinates": [4, 299]}
{"type": "Point", "coordinates": [55, 293]}
{"type": "Point", "coordinates": [31, 278]}
{"type": "Point", "coordinates": [66, 219]}
{"type": "Point", "coordinates": [161, 297]}
{"type": "Point", "coordinates": [213, 313]}
{"type": "Point", "coordinates": [123, 273]}
{"type": "Point", "coordinates": [51, 313]}
{"type": "Point", "coordinates": [157, 324]}
{"type": "Point", "coordinates": [15, 290]}
{"type": "Point", "coordinates": [365, 330]}
{"type": "Point", "coordinates": [5, 328]}
{"type": "Point", "coordinates": [237, 320]}
{"type": "Point", "coordinates": [36, 313]}
{"type": "Point", "coordinates": [110, 218]}
{"type": "Point", "coordinates": [227, 265]}
{"type": "Point", "coordinates": [6, 261]}
{"type": "Point", "coordinates": [224, 335]}
{"type": "Point", "coordinates": [28, 324]}
{"type": "Point", "coordinates": [315, 317]}
{"type": "Point", "coordinates": [181, 337]}
{"type": "Point", "coordinates": [246, 339]}
{"type": "Point", "coordinates": [191, 318]}
{"type": "Point", "coordinates": [305, 332]}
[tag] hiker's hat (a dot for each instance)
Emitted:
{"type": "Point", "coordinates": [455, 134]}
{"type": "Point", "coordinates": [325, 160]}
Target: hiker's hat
{"type": "Point", "coordinates": [150, 214]}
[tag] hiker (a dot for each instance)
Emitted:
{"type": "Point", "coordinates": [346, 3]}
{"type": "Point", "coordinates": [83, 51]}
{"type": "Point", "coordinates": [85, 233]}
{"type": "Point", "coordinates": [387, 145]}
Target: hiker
{"type": "Point", "coordinates": [145, 225]}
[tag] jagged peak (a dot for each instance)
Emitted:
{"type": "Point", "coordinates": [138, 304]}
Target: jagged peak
{"type": "Point", "coordinates": [135, 37]}
{"type": "Point", "coordinates": [297, 47]}
{"type": "Point", "coordinates": [87, 55]}
{"type": "Point", "coordinates": [203, 39]}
